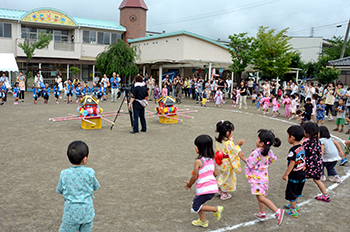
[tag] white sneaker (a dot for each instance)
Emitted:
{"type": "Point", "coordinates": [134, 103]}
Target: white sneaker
{"type": "Point", "coordinates": [323, 178]}
{"type": "Point", "coordinates": [335, 179]}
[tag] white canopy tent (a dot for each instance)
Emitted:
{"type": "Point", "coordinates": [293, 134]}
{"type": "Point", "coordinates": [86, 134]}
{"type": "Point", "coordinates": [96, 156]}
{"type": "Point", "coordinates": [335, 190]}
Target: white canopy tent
{"type": "Point", "coordinates": [8, 63]}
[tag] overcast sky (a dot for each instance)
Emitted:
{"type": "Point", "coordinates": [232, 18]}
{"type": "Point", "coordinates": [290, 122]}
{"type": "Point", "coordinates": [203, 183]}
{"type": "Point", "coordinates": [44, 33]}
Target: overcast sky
{"type": "Point", "coordinates": [216, 18]}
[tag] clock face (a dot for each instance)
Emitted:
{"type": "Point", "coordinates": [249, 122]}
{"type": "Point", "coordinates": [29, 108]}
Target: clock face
{"type": "Point", "coordinates": [133, 18]}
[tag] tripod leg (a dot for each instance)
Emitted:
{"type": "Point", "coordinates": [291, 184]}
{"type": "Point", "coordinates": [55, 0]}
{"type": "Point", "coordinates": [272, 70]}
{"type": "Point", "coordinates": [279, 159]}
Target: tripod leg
{"type": "Point", "coordinates": [130, 112]}
{"type": "Point", "coordinates": [116, 117]}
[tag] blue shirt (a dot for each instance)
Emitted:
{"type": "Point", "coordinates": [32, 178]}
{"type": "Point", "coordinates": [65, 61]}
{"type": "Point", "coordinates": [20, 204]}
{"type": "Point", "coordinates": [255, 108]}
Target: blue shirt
{"type": "Point", "coordinates": [56, 90]}
{"type": "Point", "coordinates": [114, 85]}
{"type": "Point", "coordinates": [46, 91]}
{"type": "Point", "coordinates": [35, 92]}
{"type": "Point", "coordinates": [86, 90]}
{"type": "Point", "coordinates": [77, 184]}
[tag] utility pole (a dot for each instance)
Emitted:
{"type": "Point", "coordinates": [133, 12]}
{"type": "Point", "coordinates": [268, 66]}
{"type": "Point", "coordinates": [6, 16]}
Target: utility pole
{"type": "Point", "coordinates": [312, 32]}
{"type": "Point", "coordinates": [345, 40]}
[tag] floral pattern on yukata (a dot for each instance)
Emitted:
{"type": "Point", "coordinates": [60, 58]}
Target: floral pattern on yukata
{"type": "Point", "coordinates": [313, 158]}
{"type": "Point", "coordinates": [77, 185]}
{"type": "Point", "coordinates": [230, 166]}
{"type": "Point", "coordinates": [257, 173]}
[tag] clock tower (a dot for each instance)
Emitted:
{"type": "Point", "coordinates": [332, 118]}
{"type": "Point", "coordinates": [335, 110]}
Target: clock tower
{"type": "Point", "coordinates": [133, 18]}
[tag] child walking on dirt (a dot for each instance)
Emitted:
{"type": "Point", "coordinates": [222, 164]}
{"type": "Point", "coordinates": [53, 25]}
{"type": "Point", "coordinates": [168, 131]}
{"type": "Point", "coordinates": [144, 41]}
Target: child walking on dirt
{"type": "Point", "coordinates": [276, 106]}
{"type": "Point", "coordinates": [227, 158]}
{"type": "Point", "coordinates": [257, 174]}
{"type": "Point", "coordinates": [77, 184]}
{"type": "Point", "coordinates": [204, 174]}
{"type": "Point", "coordinates": [313, 159]}
{"type": "Point", "coordinates": [331, 152]}
{"type": "Point", "coordinates": [295, 174]}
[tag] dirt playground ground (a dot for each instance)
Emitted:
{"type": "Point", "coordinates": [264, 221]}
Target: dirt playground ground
{"type": "Point", "coordinates": [142, 175]}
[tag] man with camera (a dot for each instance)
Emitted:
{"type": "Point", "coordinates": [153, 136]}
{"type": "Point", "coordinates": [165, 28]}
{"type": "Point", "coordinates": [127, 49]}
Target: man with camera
{"type": "Point", "coordinates": [138, 103]}
{"type": "Point", "coordinates": [114, 86]}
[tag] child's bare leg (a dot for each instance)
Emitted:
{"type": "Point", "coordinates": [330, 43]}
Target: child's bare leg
{"type": "Point", "coordinates": [322, 122]}
{"type": "Point", "coordinates": [261, 206]}
{"type": "Point", "coordinates": [205, 208]}
{"type": "Point", "coordinates": [267, 202]}
{"type": "Point", "coordinates": [321, 186]}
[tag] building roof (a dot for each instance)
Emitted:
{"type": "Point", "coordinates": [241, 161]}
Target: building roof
{"type": "Point", "coordinates": [176, 33]}
{"type": "Point", "coordinates": [340, 62]}
{"type": "Point", "coordinates": [12, 14]}
{"type": "Point", "coordinates": [133, 4]}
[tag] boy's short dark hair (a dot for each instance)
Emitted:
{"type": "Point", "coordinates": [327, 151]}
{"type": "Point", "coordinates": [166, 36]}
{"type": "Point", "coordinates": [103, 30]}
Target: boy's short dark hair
{"type": "Point", "coordinates": [298, 112]}
{"type": "Point", "coordinates": [308, 99]}
{"type": "Point", "coordinates": [297, 131]}
{"type": "Point", "coordinates": [77, 151]}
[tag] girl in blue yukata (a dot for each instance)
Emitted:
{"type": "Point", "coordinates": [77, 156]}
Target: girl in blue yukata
{"type": "Point", "coordinates": [77, 184]}
{"type": "Point", "coordinates": [16, 93]}
{"type": "Point", "coordinates": [46, 93]}
{"type": "Point", "coordinates": [57, 92]}
{"type": "Point", "coordinates": [36, 93]}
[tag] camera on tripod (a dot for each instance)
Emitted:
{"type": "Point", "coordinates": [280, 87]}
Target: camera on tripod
{"type": "Point", "coordinates": [126, 87]}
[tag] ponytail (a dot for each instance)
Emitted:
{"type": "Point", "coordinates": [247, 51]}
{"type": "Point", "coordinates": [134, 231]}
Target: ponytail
{"type": "Point", "coordinates": [268, 138]}
{"type": "Point", "coordinates": [222, 128]}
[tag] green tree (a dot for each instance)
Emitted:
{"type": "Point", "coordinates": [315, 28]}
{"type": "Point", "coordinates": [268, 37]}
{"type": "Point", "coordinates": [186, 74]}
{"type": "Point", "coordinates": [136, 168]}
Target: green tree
{"type": "Point", "coordinates": [334, 50]}
{"type": "Point", "coordinates": [327, 75]}
{"type": "Point", "coordinates": [273, 53]}
{"type": "Point", "coordinates": [120, 58]}
{"type": "Point", "coordinates": [29, 46]}
{"type": "Point", "coordinates": [74, 70]}
{"type": "Point", "coordinates": [241, 49]}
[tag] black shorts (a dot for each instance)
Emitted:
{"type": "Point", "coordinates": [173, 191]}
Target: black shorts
{"type": "Point", "coordinates": [46, 97]}
{"type": "Point", "coordinates": [294, 189]}
{"type": "Point", "coordinates": [198, 201]}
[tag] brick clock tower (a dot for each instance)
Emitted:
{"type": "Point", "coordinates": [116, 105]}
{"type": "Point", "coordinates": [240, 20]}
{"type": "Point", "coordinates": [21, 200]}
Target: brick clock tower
{"type": "Point", "coordinates": [133, 18]}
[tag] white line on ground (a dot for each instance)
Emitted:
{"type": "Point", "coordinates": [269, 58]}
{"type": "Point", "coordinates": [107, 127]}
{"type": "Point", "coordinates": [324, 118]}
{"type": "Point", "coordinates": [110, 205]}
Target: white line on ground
{"type": "Point", "coordinates": [250, 223]}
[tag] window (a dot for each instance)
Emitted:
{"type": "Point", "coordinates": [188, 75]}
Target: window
{"type": "Point", "coordinates": [100, 37]}
{"type": "Point", "coordinates": [115, 38]}
{"type": "Point", "coordinates": [106, 38]}
{"type": "Point", "coordinates": [89, 36]}
{"type": "Point", "coordinates": [5, 30]}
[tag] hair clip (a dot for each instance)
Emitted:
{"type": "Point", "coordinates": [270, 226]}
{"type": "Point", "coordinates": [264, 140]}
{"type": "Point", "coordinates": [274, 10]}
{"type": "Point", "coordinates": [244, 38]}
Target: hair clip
{"type": "Point", "coordinates": [222, 121]}
{"type": "Point", "coordinates": [268, 143]}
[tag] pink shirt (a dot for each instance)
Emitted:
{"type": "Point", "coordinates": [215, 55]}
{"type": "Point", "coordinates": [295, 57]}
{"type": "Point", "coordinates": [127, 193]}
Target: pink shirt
{"type": "Point", "coordinates": [206, 182]}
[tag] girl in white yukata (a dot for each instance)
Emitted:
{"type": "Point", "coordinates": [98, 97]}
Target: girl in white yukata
{"type": "Point", "coordinates": [218, 98]}
{"type": "Point", "coordinates": [293, 106]}
{"type": "Point", "coordinates": [77, 184]}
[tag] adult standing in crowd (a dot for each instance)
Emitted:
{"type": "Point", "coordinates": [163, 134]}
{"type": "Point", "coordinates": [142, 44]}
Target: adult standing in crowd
{"type": "Point", "coordinates": [193, 87]}
{"type": "Point", "coordinates": [58, 80]}
{"type": "Point", "coordinates": [22, 86]}
{"type": "Point", "coordinates": [339, 93]}
{"type": "Point", "coordinates": [5, 81]}
{"type": "Point", "coordinates": [294, 87]}
{"type": "Point", "coordinates": [273, 89]}
{"type": "Point", "coordinates": [329, 95]}
{"type": "Point", "coordinates": [250, 85]}
{"type": "Point", "coordinates": [266, 88]}
{"type": "Point", "coordinates": [229, 85]}
{"type": "Point", "coordinates": [105, 83]}
{"type": "Point", "coordinates": [150, 86]}
{"type": "Point", "coordinates": [178, 85]}
{"type": "Point", "coordinates": [114, 86]}
{"type": "Point", "coordinates": [287, 89]}
{"type": "Point", "coordinates": [168, 83]}
{"type": "Point", "coordinates": [138, 95]}
{"type": "Point", "coordinates": [96, 79]}
{"type": "Point", "coordinates": [243, 95]}
{"type": "Point", "coordinates": [187, 83]}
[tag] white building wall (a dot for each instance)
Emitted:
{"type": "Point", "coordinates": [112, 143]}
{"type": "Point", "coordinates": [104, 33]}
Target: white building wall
{"type": "Point", "coordinates": [199, 49]}
{"type": "Point", "coordinates": [161, 49]}
{"type": "Point", "coordinates": [310, 47]}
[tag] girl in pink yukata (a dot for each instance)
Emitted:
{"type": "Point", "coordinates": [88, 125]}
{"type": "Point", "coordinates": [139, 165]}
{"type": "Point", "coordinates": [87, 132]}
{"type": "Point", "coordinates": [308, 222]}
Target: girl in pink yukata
{"type": "Point", "coordinates": [265, 101]}
{"type": "Point", "coordinates": [164, 91]}
{"type": "Point", "coordinates": [286, 101]}
{"type": "Point", "coordinates": [276, 106]}
{"type": "Point", "coordinates": [257, 173]}
{"type": "Point", "coordinates": [227, 158]}
{"type": "Point", "coordinates": [238, 94]}
{"type": "Point", "coordinates": [314, 98]}
{"type": "Point", "coordinates": [218, 98]}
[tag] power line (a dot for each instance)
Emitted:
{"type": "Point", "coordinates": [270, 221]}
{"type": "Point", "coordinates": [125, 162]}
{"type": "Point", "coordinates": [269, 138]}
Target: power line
{"type": "Point", "coordinates": [221, 12]}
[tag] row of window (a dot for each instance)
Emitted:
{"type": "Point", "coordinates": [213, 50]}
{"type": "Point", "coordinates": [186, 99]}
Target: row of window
{"type": "Point", "coordinates": [98, 37]}
{"type": "Point", "coordinates": [32, 34]}
{"type": "Point", "coordinates": [5, 30]}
